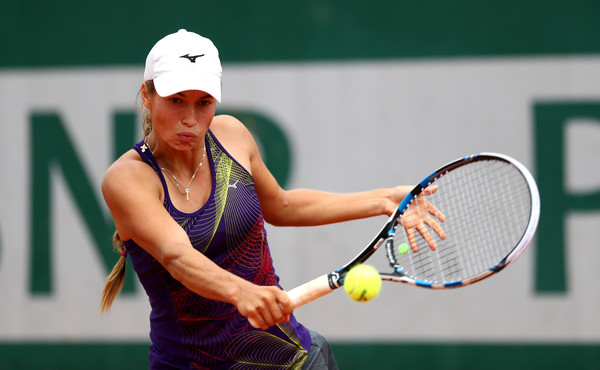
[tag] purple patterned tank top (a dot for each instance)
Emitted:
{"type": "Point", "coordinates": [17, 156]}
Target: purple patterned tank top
{"type": "Point", "coordinates": [189, 331]}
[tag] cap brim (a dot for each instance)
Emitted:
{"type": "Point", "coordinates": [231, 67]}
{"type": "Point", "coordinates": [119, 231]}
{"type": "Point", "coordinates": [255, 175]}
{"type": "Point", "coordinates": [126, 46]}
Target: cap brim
{"type": "Point", "coordinates": [172, 83]}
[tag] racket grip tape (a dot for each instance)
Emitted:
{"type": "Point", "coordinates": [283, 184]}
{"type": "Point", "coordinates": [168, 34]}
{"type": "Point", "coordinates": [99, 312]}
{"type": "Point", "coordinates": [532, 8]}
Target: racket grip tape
{"type": "Point", "coordinates": [310, 291]}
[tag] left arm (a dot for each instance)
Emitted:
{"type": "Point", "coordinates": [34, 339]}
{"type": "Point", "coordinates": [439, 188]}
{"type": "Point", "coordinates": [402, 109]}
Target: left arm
{"type": "Point", "coordinates": [305, 207]}
{"type": "Point", "coordinates": [300, 207]}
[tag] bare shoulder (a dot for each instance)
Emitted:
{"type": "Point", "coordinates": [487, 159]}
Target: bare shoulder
{"type": "Point", "coordinates": [225, 126]}
{"type": "Point", "coordinates": [235, 138]}
{"type": "Point", "coordinates": [128, 172]}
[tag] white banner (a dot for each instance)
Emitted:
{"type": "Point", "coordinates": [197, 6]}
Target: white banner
{"type": "Point", "coordinates": [352, 126]}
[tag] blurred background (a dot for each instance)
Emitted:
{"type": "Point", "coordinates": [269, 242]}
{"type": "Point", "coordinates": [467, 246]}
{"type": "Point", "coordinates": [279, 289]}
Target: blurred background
{"type": "Point", "coordinates": [341, 96]}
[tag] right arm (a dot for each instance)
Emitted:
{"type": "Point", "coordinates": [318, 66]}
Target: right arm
{"type": "Point", "coordinates": [133, 194]}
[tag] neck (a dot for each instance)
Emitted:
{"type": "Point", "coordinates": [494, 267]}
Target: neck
{"type": "Point", "coordinates": [186, 190]}
{"type": "Point", "coordinates": [182, 163]}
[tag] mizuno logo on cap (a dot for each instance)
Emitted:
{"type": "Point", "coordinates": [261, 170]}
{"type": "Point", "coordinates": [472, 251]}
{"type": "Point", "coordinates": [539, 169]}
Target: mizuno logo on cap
{"type": "Point", "coordinates": [192, 58]}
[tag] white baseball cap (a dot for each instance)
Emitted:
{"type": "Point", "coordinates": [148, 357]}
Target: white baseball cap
{"type": "Point", "coordinates": [184, 61]}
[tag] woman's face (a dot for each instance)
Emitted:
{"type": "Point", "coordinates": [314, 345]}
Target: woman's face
{"type": "Point", "coordinates": [180, 120]}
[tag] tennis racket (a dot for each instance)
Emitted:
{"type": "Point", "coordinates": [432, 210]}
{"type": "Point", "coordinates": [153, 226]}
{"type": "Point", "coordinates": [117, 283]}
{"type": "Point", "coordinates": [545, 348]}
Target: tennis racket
{"type": "Point", "coordinates": [491, 206]}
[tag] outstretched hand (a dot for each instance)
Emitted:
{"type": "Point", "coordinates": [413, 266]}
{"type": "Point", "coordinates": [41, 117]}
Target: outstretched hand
{"type": "Point", "coordinates": [418, 216]}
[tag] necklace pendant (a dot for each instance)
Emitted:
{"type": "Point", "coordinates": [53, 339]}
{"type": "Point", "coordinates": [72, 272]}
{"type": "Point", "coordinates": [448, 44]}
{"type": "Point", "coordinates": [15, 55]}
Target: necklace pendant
{"type": "Point", "coordinates": [187, 193]}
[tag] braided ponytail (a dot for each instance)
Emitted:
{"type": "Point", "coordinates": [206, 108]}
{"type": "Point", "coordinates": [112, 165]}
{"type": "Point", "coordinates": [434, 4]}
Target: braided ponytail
{"type": "Point", "coordinates": [116, 279]}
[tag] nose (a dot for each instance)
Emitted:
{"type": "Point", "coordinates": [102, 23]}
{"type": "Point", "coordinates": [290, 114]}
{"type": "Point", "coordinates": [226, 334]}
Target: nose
{"type": "Point", "coordinates": [190, 116]}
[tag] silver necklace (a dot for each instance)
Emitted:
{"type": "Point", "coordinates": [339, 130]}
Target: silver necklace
{"type": "Point", "coordinates": [187, 188]}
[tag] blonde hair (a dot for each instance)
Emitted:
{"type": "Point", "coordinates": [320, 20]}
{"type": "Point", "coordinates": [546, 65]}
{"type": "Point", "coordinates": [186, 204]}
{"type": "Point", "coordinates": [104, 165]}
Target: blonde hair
{"type": "Point", "coordinates": [147, 124]}
{"type": "Point", "coordinates": [116, 278]}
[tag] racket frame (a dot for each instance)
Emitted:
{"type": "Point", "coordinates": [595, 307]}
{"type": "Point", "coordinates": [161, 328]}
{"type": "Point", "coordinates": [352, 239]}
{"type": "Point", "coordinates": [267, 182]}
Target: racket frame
{"type": "Point", "coordinates": [326, 283]}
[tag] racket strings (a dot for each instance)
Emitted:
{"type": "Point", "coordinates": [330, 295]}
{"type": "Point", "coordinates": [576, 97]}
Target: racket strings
{"type": "Point", "coordinates": [487, 208]}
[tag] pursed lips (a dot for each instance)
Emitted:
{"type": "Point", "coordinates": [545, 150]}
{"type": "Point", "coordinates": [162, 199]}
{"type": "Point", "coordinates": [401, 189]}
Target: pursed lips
{"type": "Point", "coordinates": [186, 136]}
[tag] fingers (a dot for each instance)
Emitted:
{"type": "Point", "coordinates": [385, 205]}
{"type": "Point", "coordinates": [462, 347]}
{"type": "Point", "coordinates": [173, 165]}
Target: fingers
{"type": "Point", "coordinates": [435, 212]}
{"type": "Point", "coordinates": [425, 234]}
{"type": "Point", "coordinates": [285, 302]}
{"type": "Point", "coordinates": [417, 218]}
{"type": "Point", "coordinates": [257, 323]}
{"type": "Point", "coordinates": [267, 307]}
{"type": "Point", "coordinates": [430, 207]}
{"type": "Point", "coordinates": [435, 226]}
{"type": "Point", "coordinates": [268, 317]}
{"type": "Point", "coordinates": [430, 189]}
{"type": "Point", "coordinates": [412, 241]}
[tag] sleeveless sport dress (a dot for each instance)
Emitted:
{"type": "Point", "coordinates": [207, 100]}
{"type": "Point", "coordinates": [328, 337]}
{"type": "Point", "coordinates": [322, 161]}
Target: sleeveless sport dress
{"type": "Point", "coordinates": [189, 331]}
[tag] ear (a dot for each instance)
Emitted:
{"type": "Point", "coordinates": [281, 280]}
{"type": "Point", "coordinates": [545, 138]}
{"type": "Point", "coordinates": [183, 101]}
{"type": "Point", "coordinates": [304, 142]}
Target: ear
{"type": "Point", "coordinates": [146, 97]}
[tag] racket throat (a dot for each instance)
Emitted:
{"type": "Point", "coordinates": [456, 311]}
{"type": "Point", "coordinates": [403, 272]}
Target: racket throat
{"type": "Point", "coordinates": [389, 250]}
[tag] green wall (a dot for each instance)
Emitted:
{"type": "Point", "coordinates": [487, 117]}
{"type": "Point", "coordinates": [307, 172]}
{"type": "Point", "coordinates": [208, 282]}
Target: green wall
{"type": "Point", "coordinates": [359, 356]}
{"type": "Point", "coordinates": [70, 33]}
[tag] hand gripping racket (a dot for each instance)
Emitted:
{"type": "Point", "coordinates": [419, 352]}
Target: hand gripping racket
{"type": "Point", "coordinates": [491, 206]}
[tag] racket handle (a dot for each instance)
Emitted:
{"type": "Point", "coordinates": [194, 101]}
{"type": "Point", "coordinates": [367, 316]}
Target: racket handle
{"type": "Point", "coordinates": [310, 291]}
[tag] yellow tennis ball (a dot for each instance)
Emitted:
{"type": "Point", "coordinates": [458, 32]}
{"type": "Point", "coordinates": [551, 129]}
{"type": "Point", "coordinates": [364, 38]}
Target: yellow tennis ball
{"type": "Point", "coordinates": [403, 248]}
{"type": "Point", "coordinates": [362, 283]}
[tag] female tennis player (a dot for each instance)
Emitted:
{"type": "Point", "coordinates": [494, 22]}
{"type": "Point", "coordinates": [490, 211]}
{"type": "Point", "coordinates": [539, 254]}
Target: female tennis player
{"type": "Point", "coordinates": [189, 203]}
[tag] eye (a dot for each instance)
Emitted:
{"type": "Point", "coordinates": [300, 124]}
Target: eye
{"type": "Point", "coordinates": [175, 100]}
